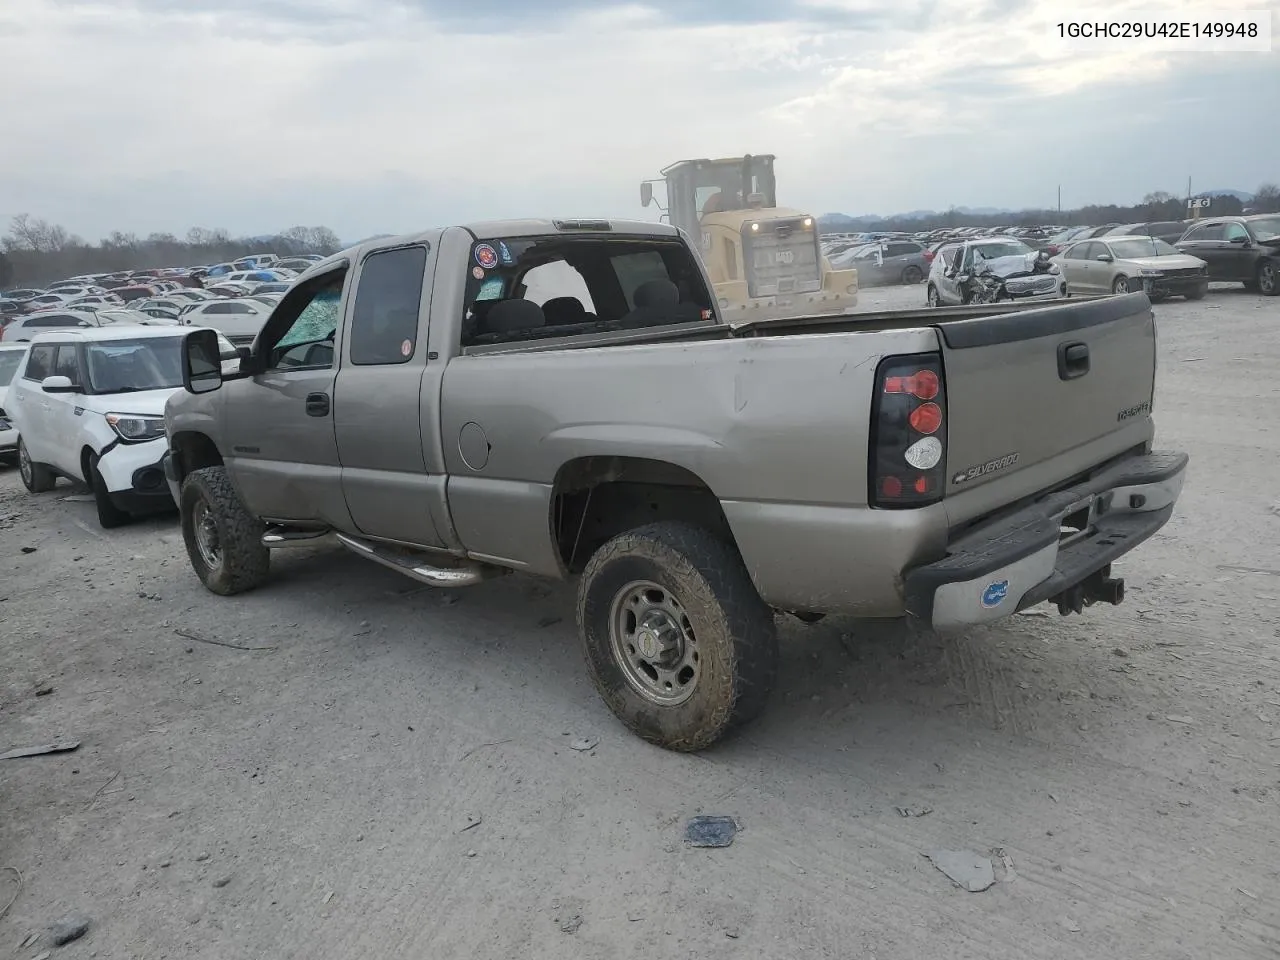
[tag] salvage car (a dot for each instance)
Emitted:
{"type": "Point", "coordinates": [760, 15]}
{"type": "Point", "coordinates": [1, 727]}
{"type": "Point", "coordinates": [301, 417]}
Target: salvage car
{"type": "Point", "coordinates": [1239, 249]}
{"type": "Point", "coordinates": [413, 400]}
{"type": "Point", "coordinates": [1020, 272]}
{"type": "Point", "coordinates": [1127, 264]}
{"type": "Point", "coordinates": [89, 406]}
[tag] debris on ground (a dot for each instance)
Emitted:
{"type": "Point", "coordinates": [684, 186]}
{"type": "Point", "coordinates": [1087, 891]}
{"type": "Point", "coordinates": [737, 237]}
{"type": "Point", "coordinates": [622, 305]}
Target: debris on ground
{"type": "Point", "coordinates": [71, 927]}
{"type": "Point", "coordinates": [710, 831]}
{"type": "Point", "coordinates": [548, 622]}
{"type": "Point", "coordinates": [28, 549]}
{"type": "Point", "coordinates": [1071, 925]}
{"type": "Point", "coordinates": [583, 744]}
{"type": "Point", "coordinates": [327, 897]}
{"type": "Point", "coordinates": [188, 635]}
{"type": "Point", "coordinates": [571, 925]}
{"type": "Point", "coordinates": [1178, 719]}
{"type": "Point", "coordinates": [965, 868]}
{"type": "Point", "coordinates": [201, 857]}
{"type": "Point", "coordinates": [470, 821]}
{"type": "Point", "coordinates": [44, 689]}
{"type": "Point", "coordinates": [914, 811]}
{"type": "Point", "coordinates": [58, 746]}
{"type": "Point", "coordinates": [1006, 862]}
{"type": "Point", "coordinates": [222, 881]}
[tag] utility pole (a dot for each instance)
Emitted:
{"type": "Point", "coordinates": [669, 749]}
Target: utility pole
{"type": "Point", "coordinates": [1059, 201]}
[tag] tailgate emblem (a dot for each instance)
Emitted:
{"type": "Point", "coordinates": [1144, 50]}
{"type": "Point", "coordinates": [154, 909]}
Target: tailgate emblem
{"type": "Point", "coordinates": [982, 469]}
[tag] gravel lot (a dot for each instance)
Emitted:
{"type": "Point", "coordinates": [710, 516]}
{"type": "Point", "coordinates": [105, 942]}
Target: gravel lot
{"type": "Point", "coordinates": [1127, 761]}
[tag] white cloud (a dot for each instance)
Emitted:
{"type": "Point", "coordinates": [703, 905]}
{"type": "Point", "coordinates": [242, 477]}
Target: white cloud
{"type": "Point", "coordinates": [246, 105]}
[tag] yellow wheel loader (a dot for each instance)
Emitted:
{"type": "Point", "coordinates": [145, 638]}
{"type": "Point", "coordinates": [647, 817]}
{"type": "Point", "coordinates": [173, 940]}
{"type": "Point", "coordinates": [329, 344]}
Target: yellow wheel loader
{"type": "Point", "coordinates": [764, 260]}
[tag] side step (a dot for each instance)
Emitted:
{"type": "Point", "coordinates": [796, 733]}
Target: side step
{"type": "Point", "coordinates": [278, 536]}
{"type": "Point", "coordinates": [465, 573]}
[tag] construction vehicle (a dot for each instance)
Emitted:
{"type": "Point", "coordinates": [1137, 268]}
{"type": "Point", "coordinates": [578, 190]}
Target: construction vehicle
{"type": "Point", "coordinates": [764, 260]}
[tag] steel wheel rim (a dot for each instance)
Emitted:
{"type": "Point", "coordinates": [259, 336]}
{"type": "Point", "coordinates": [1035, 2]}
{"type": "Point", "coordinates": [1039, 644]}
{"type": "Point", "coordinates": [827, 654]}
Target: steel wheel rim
{"type": "Point", "coordinates": [24, 463]}
{"type": "Point", "coordinates": [1267, 278]}
{"type": "Point", "coordinates": [653, 643]}
{"type": "Point", "coordinates": [208, 542]}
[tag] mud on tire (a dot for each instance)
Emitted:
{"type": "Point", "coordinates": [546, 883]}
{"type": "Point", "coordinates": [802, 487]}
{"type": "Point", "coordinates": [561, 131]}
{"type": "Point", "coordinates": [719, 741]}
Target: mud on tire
{"type": "Point", "coordinates": [223, 540]}
{"type": "Point", "coordinates": [728, 637]}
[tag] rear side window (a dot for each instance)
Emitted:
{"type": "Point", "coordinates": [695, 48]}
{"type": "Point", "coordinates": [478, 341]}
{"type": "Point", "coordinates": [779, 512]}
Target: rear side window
{"type": "Point", "coordinates": [1212, 231]}
{"type": "Point", "coordinates": [39, 363]}
{"type": "Point", "coordinates": [384, 318]}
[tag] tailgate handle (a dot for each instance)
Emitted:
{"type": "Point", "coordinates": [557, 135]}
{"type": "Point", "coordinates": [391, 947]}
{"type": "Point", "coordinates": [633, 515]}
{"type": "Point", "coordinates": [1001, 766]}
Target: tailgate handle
{"type": "Point", "coordinates": [1073, 360]}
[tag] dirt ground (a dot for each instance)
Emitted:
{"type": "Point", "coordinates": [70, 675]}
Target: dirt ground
{"type": "Point", "coordinates": [1127, 761]}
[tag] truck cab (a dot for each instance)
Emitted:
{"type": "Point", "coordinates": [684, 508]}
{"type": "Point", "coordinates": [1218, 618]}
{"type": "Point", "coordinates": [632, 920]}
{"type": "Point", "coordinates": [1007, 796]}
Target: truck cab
{"type": "Point", "coordinates": [764, 260]}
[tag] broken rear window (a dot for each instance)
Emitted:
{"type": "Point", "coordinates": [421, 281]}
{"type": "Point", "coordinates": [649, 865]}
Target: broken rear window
{"type": "Point", "coordinates": [531, 288]}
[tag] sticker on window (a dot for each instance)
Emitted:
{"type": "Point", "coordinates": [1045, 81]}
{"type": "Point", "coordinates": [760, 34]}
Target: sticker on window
{"type": "Point", "coordinates": [491, 289]}
{"type": "Point", "coordinates": [406, 348]}
{"type": "Point", "coordinates": [486, 256]}
{"type": "Point", "coordinates": [477, 272]}
{"type": "Point", "coordinates": [505, 253]}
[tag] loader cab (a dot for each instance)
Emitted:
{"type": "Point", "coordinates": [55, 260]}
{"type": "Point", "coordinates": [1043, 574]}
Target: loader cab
{"type": "Point", "coordinates": [700, 188]}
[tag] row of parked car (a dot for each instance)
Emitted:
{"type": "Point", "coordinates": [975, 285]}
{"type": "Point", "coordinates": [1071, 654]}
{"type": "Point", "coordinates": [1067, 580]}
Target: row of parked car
{"type": "Point", "coordinates": [1245, 250]}
{"type": "Point", "coordinates": [234, 298]}
{"type": "Point", "coordinates": [1233, 249]}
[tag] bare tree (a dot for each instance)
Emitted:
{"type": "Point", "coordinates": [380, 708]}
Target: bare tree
{"type": "Point", "coordinates": [1266, 199]}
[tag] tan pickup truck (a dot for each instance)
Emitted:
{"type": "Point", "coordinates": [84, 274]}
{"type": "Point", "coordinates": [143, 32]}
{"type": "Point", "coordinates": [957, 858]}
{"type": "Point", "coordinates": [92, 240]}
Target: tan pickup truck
{"type": "Point", "coordinates": [561, 398]}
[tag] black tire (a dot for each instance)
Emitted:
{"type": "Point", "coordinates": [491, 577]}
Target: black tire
{"type": "Point", "coordinates": [1120, 285]}
{"type": "Point", "coordinates": [1199, 292]}
{"type": "Point", "coordinates": [237, 559]}
{"type": "Point", "coordinates": [1268, 278]}
{"type": "Point", "coordinates": [931, 298]}
{"type": "Point", "coordinates": [735, 645]}
{"type": "Point", "coordinates": [109, 515]}
{"type": "Point", "coordinates": [912, 275]}
{"type": "Point", "coordinates": [36, 477]}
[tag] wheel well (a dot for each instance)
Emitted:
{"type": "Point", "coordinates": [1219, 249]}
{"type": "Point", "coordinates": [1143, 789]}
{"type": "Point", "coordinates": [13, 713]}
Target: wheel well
{"type": "Point", "coordinates": [193, 451]}
{"type": "Point", "coordinates": [85, 454]}
{"type": "Point", "coordinates": [596, 498]}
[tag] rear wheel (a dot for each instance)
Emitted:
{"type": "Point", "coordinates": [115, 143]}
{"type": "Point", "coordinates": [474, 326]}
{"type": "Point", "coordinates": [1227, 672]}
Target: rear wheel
{"type": "Point", "coordinates": [677, 641]}
{"type": "Point", "coordinates": [933, 295]}
{"type": "Point", "coordinates": [109, 515]}
{"type": "Point", "coordinates": [1120, 285]}
{"type": "Point", "coordinates": [223, 539]}
{"type": "Point", "coordinates": [912, 274]}
{"type": "Point", "coordinates": [36, 477]}
{"type": "Point", "coordinates": [1268, 281]}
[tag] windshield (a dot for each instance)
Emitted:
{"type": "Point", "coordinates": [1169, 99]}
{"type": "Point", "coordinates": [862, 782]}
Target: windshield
{"type": "Point", "coordinates": [131, 366]}
{"type": "Point", "coordinates": [1135, 248]}
{"type": "Point", "coordinates": [9, 361]}
{"type": "Point", "coordinates": [1266, 229]}
{"type": "Point", "coordinates": [1004, 248]}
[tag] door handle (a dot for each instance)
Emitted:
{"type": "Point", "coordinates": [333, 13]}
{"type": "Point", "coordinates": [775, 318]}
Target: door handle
{"type": "Point", "coordinates": [317, 404]}
{"type": "Point", "coordinates": [1073, 360]}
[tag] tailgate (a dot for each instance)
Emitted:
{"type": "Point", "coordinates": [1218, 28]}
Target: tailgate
{"type": "Point", "coordinates": [1027, 386]}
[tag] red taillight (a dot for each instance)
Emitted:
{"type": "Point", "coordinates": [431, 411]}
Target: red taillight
{"type": "Point", "coordinates": [923, 384]}
{"type": "Point", "coordinates": [926, 418]}
{"type": "Point", "coordinates": [907, 458]}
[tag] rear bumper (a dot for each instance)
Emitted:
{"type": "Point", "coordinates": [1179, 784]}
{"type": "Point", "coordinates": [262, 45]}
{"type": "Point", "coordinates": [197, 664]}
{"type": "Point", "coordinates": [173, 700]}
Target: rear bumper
{"type": "Point", "coordinates": [1022, 559]}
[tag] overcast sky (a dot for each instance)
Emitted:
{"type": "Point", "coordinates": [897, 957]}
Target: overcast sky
{"type": "Point", "coordinates": [375, 116]}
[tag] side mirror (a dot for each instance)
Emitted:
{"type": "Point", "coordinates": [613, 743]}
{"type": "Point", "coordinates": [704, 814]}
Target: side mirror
{"type": "Point", "coordinates": [1105, 258]}
{"type": "Point", "coordinates": [201, 361]}
{"type": "Point", "coordinates": [646, 194]}
{"type": "Point", "coordinates": [1240, 240]}
{"type": "Point", "coordinates": [57, 385]}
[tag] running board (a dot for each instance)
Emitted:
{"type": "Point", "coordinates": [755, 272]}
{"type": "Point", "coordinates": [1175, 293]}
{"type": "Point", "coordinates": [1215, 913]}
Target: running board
{"type": "Point", "coordinates": [466, 574]}
{"type": "Point", "coordinates": [278, 536]}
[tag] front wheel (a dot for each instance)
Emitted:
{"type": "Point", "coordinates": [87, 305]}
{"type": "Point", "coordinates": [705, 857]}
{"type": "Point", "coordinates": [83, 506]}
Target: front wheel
{"type": "Point", "coordinates": [36, 477]}
{"type": "Point", "coordinates": [1268, 282]}
{"type": "Point", "coordinates": [677, 641]}
{"type": "Point", "coordinates": [912, 274]}
{"type": "Point", "coordinates": [1198, 292]}
{"type": "Point", "coordinates": [109, 515]}
{"type": "Point", "coordinates": [223, 539]}
{"type": "Point", "coordinates": [1120, 285]}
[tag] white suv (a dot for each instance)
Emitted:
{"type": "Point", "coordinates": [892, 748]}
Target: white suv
{"type": "Point", "coordinates": [88, 405]}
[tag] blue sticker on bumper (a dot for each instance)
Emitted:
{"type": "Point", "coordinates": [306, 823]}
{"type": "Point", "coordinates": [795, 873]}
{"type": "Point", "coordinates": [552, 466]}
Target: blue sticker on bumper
{"type": "Point", "coordinates": [995, 593]}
